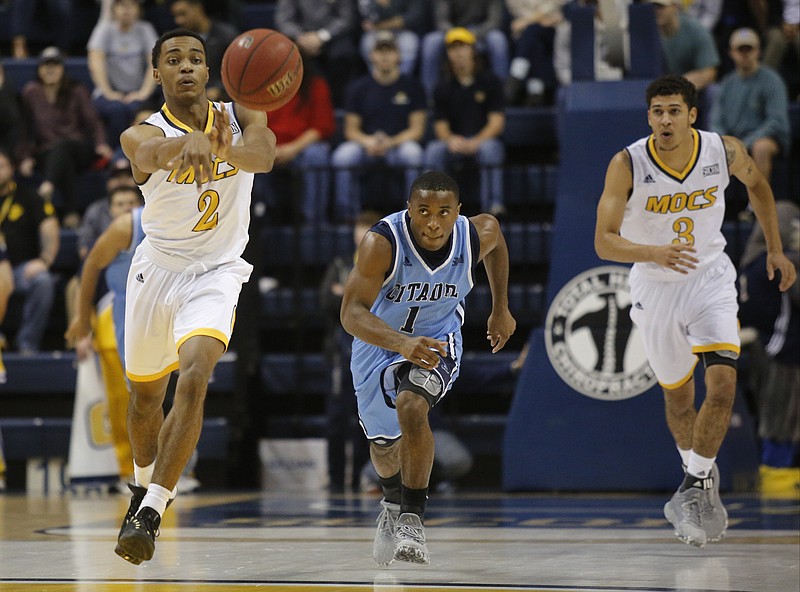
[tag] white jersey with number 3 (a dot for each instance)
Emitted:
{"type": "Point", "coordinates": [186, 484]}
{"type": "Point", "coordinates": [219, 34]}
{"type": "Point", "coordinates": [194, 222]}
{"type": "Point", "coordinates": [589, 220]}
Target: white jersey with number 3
{"type": "Point", "coordinates": [668, 206]}
{"type": "Point", "coordinates": [208, 225]}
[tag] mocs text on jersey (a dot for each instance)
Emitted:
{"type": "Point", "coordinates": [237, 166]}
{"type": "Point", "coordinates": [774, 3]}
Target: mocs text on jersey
{"type": "Point", "coordinates": [678, 202]}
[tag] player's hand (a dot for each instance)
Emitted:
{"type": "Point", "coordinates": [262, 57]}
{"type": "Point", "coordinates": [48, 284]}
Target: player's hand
{"type": "Point", "coordinates": [78, 329]}
{"type": "Point", "coordinates": [500, 328]}
{"type": "Point", "coordinates": [220, 135]}
{"type": "Point", "coordinates": [779, 262]}
{"type": "Point", "coordinates": [677, 257]}
{"type": "Point", "coordinates": [195, 154]}
{"type": "Point", "coordinates": [422, 351]}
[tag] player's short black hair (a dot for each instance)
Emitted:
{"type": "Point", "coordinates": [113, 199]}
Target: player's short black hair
{"type": "Point", "coordinates": [156, 55]}
{"type": "Point", "coordinates": [435, 181]}
{"type": "Point", "coordinates": [672, 85]}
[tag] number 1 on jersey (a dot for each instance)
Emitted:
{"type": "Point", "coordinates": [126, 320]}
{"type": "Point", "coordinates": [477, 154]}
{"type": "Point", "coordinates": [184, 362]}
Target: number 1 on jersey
{"type": "Point", "coordinates": [408, 326]}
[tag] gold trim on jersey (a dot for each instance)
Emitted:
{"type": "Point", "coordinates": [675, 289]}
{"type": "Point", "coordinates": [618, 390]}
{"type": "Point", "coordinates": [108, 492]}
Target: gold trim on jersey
{"type": "Point", "coordinates": [651, 152]}
{"type": "Point", "coordinates": [702, 349]}
{"type": "Point", "coordinates": [152, 377]}
{"type": "Point", "coordinates": [180, 125]}
{"type": "Point", "coordinates": [681, 382]}
{"type": "Point", "coordinates": [215, 333]}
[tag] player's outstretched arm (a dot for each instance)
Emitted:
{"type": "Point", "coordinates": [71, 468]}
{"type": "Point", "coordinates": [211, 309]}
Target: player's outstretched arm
{"type": "Point", "coordinates": [608, 243]}
{"type": "Point", "coordinates": [494, 254]}
{"type": "Point", "coordinates": [149, 151]}
{"type": "Point", "coordinates": [763, 202]}
{"type": "Point", "coordinates": [116, 238]}
{"type": "Point", "coordinates": [362, 288]}
{"type": "Point", "coordinates": [256, 153]}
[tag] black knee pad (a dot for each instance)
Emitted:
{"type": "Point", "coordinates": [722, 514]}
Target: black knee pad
{"type": "Point", "coordinates": [725, 357]}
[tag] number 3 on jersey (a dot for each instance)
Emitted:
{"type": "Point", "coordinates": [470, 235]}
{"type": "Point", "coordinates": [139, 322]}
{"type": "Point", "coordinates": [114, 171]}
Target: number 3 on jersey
{"type": "Point", "coordinates": [207, 205]}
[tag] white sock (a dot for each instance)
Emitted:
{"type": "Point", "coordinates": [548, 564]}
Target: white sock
{"type": "Point", "coordinates": [519, 68]}
{"type": "Point", "coordinates": [699, 466]}
{"type": "Point", "coordinates": [684, 456]}
{"type": "Point", "coordinates": [143, 475]}
{"type": "Point", "coordinates": [156, 498]}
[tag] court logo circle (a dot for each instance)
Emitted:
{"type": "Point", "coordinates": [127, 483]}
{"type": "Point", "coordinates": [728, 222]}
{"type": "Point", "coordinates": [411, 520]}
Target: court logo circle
{"type": "Point", "coordinates": [590, 338]}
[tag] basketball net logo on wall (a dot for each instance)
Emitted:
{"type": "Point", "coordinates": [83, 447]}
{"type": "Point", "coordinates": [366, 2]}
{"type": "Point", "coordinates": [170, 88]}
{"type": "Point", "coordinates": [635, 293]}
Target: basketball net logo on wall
{"type": "Point", "coordinates": [591, 340]}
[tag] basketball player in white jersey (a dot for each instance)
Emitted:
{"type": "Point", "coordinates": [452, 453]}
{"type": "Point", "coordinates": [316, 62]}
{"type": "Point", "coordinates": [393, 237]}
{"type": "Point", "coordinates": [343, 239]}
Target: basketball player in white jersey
{"type": "Point", "coordinates": [662, 209]}
{"type": "Point", "coordinates": [194, 161]}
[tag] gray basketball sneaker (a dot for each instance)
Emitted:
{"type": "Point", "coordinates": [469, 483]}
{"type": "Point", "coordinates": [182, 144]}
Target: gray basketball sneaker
{"type": "Point", "coordinates": [383, 547]}
{"type": "Point", "coordinates": [409, 537]}
{"type": "Point", "coordinates": [683, 512]}
{"type": "Point", "coordinates": [712, 510]}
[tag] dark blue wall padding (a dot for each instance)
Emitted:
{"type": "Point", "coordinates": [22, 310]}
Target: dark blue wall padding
{"type": "Point", "coordinates": [646, 60]}
{"type": "Point", "coordinates": [557, 438]}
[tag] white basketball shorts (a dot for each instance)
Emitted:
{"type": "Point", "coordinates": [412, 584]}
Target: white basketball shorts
{"type": "Point", "coordinates": [678, 320]}
{"type": "Point", "coordinates": [164, 308]}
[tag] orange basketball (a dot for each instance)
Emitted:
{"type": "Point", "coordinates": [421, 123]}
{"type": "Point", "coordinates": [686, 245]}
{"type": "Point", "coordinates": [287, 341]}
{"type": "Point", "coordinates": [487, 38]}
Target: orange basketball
{"type": "Point", "coordinates": [262, 69]}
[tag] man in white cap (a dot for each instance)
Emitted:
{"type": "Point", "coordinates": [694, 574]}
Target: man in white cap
{"type": "Point", "coordinates": [689, 49]}
{"type": "Point", "coordinates": [752, 103]}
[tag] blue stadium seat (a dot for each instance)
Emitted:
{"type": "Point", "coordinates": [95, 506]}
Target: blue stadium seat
{"type": "Point", "coordinates": [285, 246]}
{"type": "Point", "coordinates": [528, 127]}
{"type": "Point", "coordinates": [528, 243]}
{"type": "Point", "coordinates": [67, 260]}
{"type": "Point", "coordinates": [280, 304]}
{"type": "Point", "coordinates": [287, 374]}
{"type": "Point", "coordinates": [736, 233]}
{"type": "Point", "coordinates": [20, 72]}
{"type": "Point", "coordinates": [256, 16]}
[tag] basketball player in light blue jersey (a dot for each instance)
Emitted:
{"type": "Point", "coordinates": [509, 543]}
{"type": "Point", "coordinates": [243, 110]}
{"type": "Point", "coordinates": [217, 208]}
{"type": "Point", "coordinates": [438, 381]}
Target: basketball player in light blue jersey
{"type": "Point", "coordinates": [662, 209]}
{"type": "Point", "coordinates": [404, 305]}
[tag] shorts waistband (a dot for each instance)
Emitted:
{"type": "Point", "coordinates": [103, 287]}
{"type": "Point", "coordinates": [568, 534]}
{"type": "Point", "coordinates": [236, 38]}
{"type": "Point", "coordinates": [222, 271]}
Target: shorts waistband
{"type": "Point", "coordinates": [174, 263]}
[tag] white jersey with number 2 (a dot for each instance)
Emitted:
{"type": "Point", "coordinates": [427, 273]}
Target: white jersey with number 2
{"type": "Point", "coordinates": [208, 225]}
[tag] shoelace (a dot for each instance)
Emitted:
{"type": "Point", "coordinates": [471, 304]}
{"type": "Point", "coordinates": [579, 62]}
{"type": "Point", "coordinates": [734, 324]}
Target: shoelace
{"type": "Point", "coordinates": [147, 526]}
{"type": "Point", "coordinates": [409, 531]}
{"type": "Point", "coordinates": [385, 521]}
{"type": "Point", "coordinates": [691, 508]}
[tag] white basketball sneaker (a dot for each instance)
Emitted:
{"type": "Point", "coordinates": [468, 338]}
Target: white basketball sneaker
{"type": "Point", "coordinates": [383, 547]}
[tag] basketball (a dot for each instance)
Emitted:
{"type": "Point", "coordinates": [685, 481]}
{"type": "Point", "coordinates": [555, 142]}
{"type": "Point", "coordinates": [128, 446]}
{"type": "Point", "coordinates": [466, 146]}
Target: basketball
{"type": "Point", "coordinates": [262, 69]}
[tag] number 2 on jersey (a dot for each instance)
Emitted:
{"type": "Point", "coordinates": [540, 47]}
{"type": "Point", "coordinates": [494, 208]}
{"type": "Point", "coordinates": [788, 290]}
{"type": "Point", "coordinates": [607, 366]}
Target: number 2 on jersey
{"type": "Point", "coordinates": [207, 205]}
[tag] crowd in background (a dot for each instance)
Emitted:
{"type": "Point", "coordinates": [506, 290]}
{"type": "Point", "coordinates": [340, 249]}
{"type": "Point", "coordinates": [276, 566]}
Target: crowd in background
{"type": "Point", "coordinates": [418, 85]}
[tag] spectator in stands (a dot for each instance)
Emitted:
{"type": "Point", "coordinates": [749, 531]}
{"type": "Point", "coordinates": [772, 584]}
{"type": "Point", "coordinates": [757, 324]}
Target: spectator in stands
{"type": "Point", "coordinates": [97, 218]}
{"type": "Point", "coordinates": [706, 12]}
{"type": "Point", "coordinates": [65, 134]}
{"type": "Point", "coordinates": [302, 129]}
{"type": "Point", "coordinates": [191, 15]}
{"type": "Point", "coordinates": [689, 49]}
{"type": "Point", "coordinates": [484, 18]}
{"type": "Point", "coordinates": [784, 38]}
{"type": "Point", "coordinates": [469, 118]}
{"type": "Point", "coordinates": [385, 115]}
{"type": "Point", "coordinates": [325, 31]}
{"type": "Point", "coordinates": [31, 232]}
{"type": "Point", "coordinates": [751, 103]}
{"type": "Point", "coordinates": [405, 18]}
{"type": "Point", "coordinates": [6, 289]}
{"type": "Point", "coordinates": [11, 123]}
{"type": "Point", "coordinates": [340, 408]}
{"type": "Point", "coordinates": [119, 63]}
{"type": "Point", "coordinates": [776, 353]}
{"type": "Point", "coordinates": [58, 14]}
{"type": "Point", "coordinates": [531, 76]}
{"type": "Point", "coordinates": [606, 35]}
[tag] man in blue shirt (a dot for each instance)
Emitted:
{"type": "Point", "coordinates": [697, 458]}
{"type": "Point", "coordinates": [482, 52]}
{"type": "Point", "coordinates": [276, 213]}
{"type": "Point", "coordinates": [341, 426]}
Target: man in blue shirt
{"type": "Point", "coordinates": [751, 103]}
